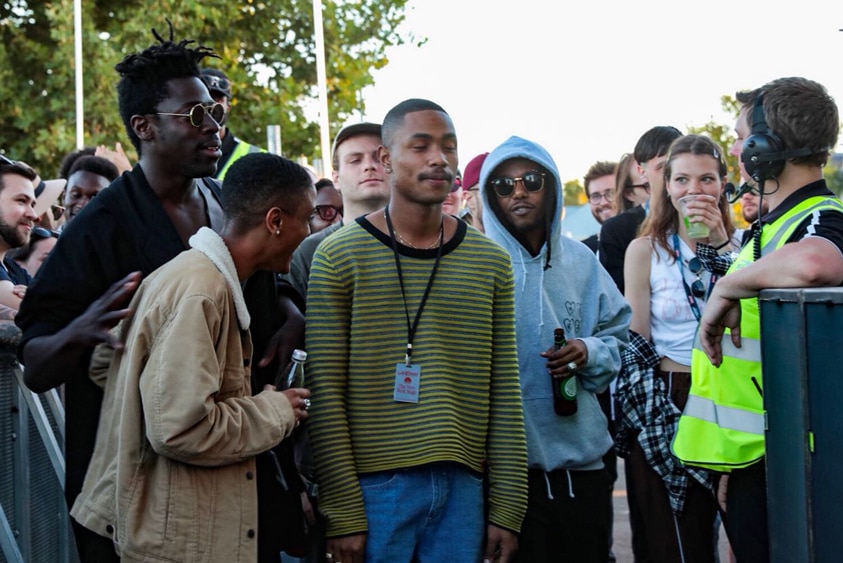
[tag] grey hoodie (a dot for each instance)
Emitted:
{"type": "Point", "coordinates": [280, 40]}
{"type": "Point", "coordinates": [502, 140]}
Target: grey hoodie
{"type": "Point", "coordinates": [574, 293]}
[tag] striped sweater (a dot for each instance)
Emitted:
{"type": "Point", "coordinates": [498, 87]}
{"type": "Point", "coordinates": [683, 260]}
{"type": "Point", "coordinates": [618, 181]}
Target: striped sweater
{"type": "Point", "coordinates": [469, 408]}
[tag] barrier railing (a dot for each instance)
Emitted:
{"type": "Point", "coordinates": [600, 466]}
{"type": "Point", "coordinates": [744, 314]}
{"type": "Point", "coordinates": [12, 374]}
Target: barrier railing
{"type": "Point", "coordinates": [34, 524]}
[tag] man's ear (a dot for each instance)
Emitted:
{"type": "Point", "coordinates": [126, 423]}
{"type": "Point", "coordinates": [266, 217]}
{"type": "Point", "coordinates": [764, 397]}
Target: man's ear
{"type": "Point", "coordinates": [274, 220]}
{"type": "Point", "coordinates": [142, 127]}
{"type": "Point", "coordinates": [385, 159]}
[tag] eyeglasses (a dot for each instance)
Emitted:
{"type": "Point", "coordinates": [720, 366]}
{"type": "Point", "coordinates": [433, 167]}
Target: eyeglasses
{"type": "Point", "coordinates": [645, 186]}
{"type": "Point", "coordinates": [6, 161]}
{"type": "Point", "coordinates": [532, 182]}
{"type": "Point", "coordinates": [42, 233]}
{"type": "Point", "coordinates": [326, 212]}
{"type": "Point", "coordinates": [595, 197]}
{"type": "Point", "coordinates": [697, 288]}
{"type": "Point", "coordinates": [197, 114]}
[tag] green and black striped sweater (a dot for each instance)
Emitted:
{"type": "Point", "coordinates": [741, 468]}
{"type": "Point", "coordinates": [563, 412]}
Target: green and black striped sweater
{"type": "Point", "coordinates": [469, 408]}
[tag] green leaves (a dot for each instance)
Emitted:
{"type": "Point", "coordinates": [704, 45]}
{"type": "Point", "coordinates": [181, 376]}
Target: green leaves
{"type": "Point", "coordinates": [267, 50]}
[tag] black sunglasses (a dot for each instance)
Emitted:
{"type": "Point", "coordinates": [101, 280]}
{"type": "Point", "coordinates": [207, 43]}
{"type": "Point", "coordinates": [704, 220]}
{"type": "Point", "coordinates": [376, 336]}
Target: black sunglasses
{"type": "Point", "coordinates": [197, 114]}
{"type": "Point", "coordinates": [698, 287]}
{"type": "Point", "coordinates": [532, 181]}
{"type": "Point", "coordinates": [326, 212]}
{"type": "Point", "coordinates": [217, 83]}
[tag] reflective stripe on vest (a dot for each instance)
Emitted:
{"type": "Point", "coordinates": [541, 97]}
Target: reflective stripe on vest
{"type": "Point", "coordinates": [722, 426]}
{"type": "Point", "coordinates": [723, 416]}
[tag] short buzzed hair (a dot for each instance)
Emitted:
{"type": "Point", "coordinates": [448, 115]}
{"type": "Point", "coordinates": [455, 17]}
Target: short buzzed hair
{"type": "Point", "coordinates": [95, 165]}
{"type": "Point", "coordinates": [257, 182]}
{"type": "Point", "coordinates": [598, 170]}
{"type": "Point", "coordinates": [395, 117]}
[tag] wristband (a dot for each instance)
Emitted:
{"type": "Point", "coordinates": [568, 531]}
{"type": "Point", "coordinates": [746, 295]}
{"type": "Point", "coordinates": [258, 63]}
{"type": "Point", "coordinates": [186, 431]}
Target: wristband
{"type": "Point", "coordinates": [722, 245]}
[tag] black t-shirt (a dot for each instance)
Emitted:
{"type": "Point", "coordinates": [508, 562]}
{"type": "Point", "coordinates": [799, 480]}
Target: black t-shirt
{"type": "Point", "coordinates": [615, 235]}
{"type": "Point", "coordinates": [13, 272]}
{"type": "Point", "coordinates": [827, 224]}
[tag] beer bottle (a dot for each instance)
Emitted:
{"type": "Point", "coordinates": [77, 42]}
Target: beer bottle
{"type": "Point", "coordinates": [565, 388]}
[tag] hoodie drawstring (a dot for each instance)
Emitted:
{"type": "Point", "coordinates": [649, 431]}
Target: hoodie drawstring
{"type": "Point", "coordinates": [547, 482]}
{"type": "Point", "coordinates": [570, 484]}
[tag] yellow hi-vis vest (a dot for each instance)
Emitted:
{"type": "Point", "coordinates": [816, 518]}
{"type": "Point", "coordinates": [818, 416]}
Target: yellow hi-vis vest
{"type": "Point", "coordinates": [242, 149]}
{"type": "Point", "coordinates": [722, 426]}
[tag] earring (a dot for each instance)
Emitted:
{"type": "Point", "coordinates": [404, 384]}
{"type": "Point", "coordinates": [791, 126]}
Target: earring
{"type": "Point", "coordinates": [388, 169]}
{"type": "Point", "coordinates": [277, 233]}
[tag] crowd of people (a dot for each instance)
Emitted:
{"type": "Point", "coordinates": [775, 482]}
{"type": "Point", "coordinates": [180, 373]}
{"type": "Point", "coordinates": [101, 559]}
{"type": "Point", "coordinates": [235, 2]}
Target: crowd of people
{"type": "Point", "coordinates": [471, 372]}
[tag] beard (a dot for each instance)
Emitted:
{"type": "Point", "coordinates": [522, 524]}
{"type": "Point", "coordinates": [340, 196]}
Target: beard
{"type": "Point", "coordinates": [11, 235]}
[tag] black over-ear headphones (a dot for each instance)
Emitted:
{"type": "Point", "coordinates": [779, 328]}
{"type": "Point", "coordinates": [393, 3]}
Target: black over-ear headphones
{"type": "Point", "coordinates": [763, 153]}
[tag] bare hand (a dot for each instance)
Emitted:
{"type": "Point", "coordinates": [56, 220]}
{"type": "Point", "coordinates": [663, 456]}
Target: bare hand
{"type": "Point", "coordinates": [94, 325]}
{"type": "Point", "coordinates": [348, 549]}
{"type": "Point", "coordinates": [19, 291]}
{"type": "Point", "coordinates": [558, 360]}
{"type": "Point", "coordinates": [501, 545]}
{"type": "Point", "coordinates": [299, 399]}
{"type": "Point", "coordinates": [719, 314]}
{"type": "Point", "coordinates": [704, 209]}
{"type": "Point", "coordinates": [117, 156]}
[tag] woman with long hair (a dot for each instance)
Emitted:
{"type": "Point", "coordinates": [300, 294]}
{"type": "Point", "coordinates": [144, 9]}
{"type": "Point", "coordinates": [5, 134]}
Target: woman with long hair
{"type": "Point", "coordinates": [667, 287]}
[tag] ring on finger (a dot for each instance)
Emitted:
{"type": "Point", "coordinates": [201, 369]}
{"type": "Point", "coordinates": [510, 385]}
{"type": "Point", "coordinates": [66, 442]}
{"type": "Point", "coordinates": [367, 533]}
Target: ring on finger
{"type": "Point", "coordinates": [307, 406]}
{"type": "Point", "coordinates": [572, 366]}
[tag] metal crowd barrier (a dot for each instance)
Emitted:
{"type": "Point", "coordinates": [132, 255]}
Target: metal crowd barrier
{"type": "Point", "coordinates": [34, 523]}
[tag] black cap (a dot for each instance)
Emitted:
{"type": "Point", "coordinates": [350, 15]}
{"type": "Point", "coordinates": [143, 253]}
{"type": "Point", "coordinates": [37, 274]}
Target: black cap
{"type": "Point", "coordinates": [362, 128]}
{"type": "Point", "coordinates": [217, 82]}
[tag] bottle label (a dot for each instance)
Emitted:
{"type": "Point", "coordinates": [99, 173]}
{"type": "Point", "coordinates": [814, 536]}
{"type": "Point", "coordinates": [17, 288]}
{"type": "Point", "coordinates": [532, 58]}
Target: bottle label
{"type": "Point", "coordinates": [407, 381]}
{"type": "Point", "coordinates": [569, 388]}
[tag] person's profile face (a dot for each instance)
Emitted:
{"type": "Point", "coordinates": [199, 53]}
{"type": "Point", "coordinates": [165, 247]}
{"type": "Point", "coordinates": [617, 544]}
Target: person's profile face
{"type": "Point", "coordinates": [653, 170]}
{"type": "Point", "coordinates": [188, 151]}
{"type": "Point", "coordinates": [742, 131]}
{"type": "Point", "coordinates": [17, 213]}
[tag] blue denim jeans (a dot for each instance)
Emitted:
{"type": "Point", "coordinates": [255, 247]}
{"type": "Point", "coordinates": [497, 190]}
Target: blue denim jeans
{"type": "Point", "coordinates": [433, 513]}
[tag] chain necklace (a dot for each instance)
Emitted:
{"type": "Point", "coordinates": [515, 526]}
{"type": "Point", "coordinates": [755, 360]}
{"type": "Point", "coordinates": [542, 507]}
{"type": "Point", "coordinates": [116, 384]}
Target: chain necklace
{"type": "Point", "coordinates": [405, 242]}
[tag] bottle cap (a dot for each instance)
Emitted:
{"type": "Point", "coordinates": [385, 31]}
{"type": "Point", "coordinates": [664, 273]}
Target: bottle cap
{"type": "Point", "coordinates": [299, 355]}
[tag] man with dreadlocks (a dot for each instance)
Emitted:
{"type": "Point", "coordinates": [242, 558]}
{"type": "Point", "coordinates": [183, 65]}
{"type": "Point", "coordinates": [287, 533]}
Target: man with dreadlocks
{"type": "Point", "coordinates": [558, 283]}
{"type": "Point", "coordinates": [143, 221]}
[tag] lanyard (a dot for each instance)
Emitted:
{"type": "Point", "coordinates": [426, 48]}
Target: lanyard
{"type": "Point", "coordinates": [695, 309]}
{"type": "Point", "coordinates": [411, 328]}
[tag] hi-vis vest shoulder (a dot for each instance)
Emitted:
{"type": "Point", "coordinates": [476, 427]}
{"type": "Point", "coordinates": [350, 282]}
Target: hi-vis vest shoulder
{"type": "Point", "coordinates": [242, 149]}
{"type": "Point", "coordinates": [722, 426]}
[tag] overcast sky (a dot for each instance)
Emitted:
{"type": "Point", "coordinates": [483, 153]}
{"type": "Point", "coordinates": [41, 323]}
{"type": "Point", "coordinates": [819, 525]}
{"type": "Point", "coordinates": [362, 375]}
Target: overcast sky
{"type": "Point", "coordinates": [586, 78]}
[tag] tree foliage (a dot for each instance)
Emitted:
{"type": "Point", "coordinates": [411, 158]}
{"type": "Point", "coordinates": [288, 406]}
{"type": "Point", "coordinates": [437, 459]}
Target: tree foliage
{"type": "Point", "coordinates": [267, 49]}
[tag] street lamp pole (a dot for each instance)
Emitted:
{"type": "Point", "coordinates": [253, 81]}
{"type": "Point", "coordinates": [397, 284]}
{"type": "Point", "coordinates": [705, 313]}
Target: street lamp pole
{"type": "Point", "coordinates": [322, 79]}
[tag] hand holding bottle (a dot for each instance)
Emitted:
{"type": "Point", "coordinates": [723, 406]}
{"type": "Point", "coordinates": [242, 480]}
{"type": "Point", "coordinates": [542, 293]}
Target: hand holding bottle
{"type": "Point", "coordinates": [290, 381]}
{"type": "Point", "coordinates": [564, 359]}
{"type": "Point", "coordinates": [299, 399]}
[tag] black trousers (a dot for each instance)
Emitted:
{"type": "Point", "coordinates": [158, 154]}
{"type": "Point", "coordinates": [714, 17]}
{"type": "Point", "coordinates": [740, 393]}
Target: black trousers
{"type": "Point", "coordinates": [746, 514]}
{"type": "Point", "coordinates": [570, 526]}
